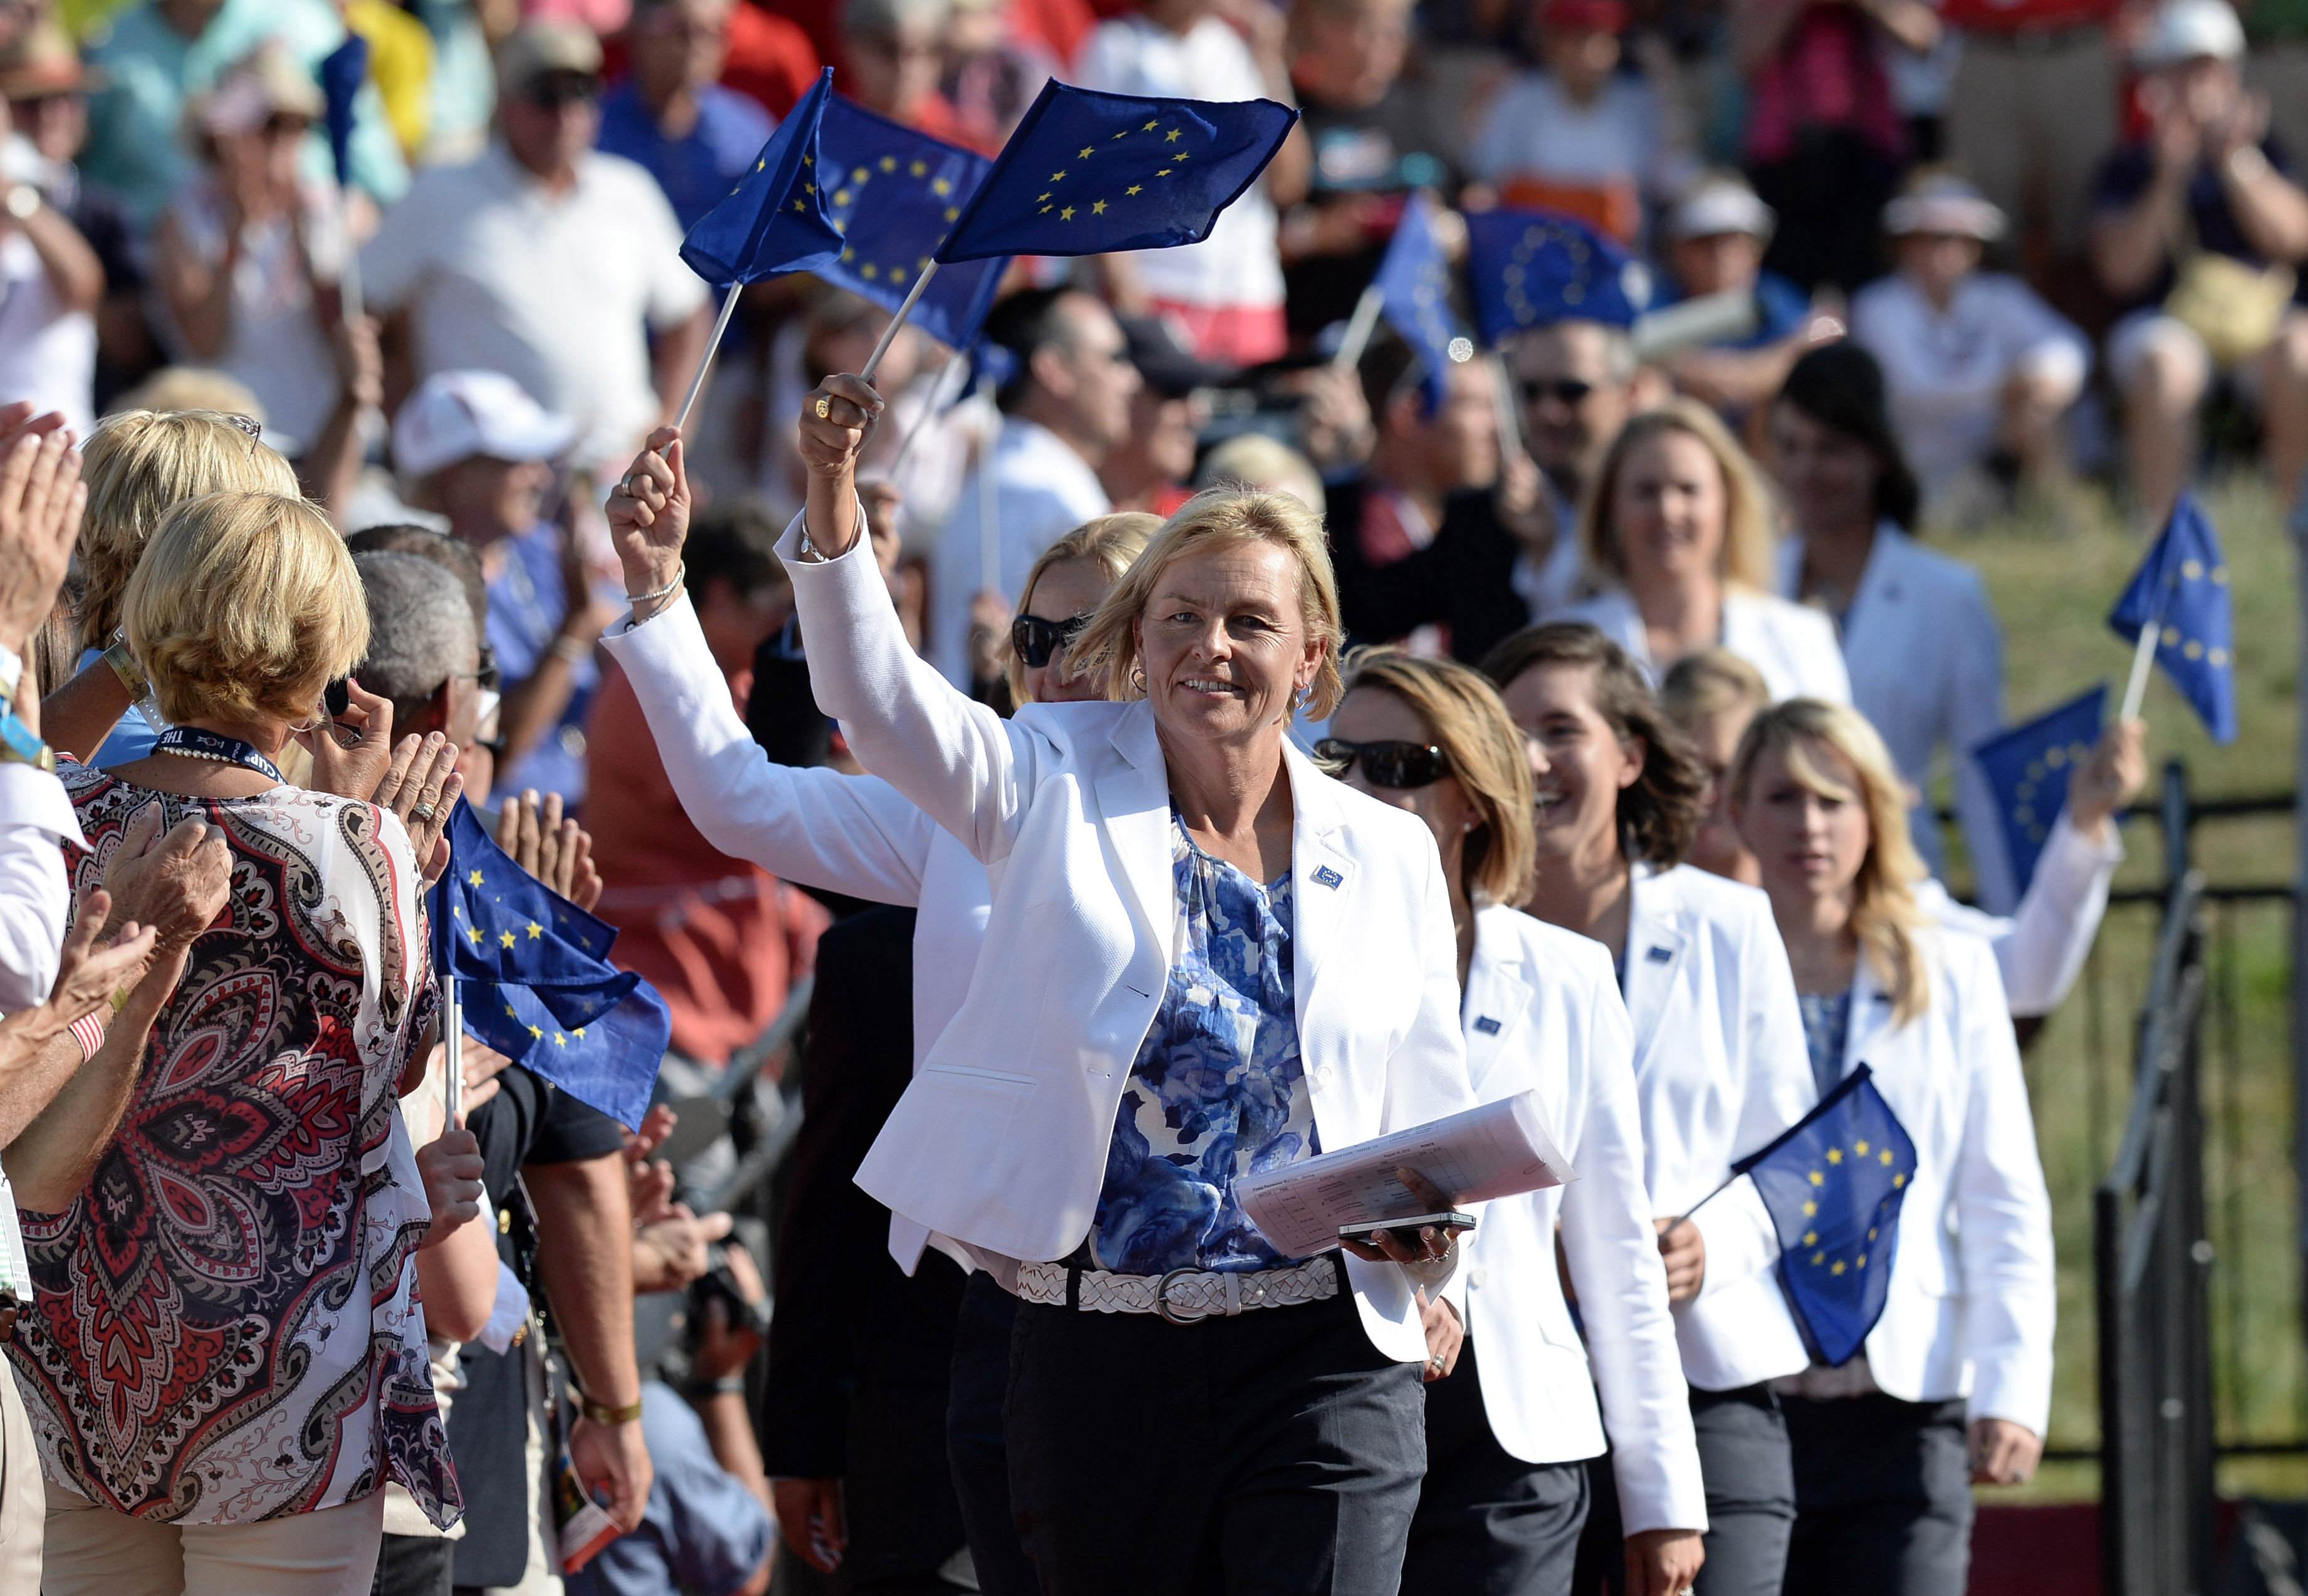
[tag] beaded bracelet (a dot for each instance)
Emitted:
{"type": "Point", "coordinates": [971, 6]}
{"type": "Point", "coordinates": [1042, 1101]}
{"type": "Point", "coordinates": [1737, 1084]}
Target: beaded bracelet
{"type": "Point", "coordinates": [680, 575]}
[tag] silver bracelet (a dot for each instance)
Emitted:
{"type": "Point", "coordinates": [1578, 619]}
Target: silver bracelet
{"type": "Point", "coordinates": [680, 574]}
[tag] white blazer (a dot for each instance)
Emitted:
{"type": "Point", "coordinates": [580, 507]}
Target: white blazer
{"type": "Point", "coordinates": [1794, 645]}
{"type": "Point", "coordinates": [1000, 1142]}
{"type": "Point", "coordinates": [1720, 1069]}
{"type": "Point", "coordinates": [1543, 1011]}
{"type": "Point", "coordinates": [2041, 948]}
{"type": "Point", "coordinates": [1927, 663]}
{"type": "Point", "coordinates": [1972, 1301]}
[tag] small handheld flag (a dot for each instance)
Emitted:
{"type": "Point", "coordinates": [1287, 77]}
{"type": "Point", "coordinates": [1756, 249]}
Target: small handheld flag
{"type": "Point", "coordinates": [1833, 1183]}
{"type": "Point", "coordinates": [343, 71]}
{"type": "Point", "coordinates": [538, 986]}
{"type": "Point", "coordinates": [1532, 268]}
{"type": "Point", "coordinates": [2178, 602]}
{"type": "Point", "coordinates": [1414, 284]}
{"type": "Point", "coordinates": [2027, 768]}
{"type": "Point", "coordinates": [892, 193]}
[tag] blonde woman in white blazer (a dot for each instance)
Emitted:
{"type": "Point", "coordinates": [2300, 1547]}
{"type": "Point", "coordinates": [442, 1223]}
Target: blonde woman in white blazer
{"type": "Point", "coordinates": [1506, 1493]}
{"type": "Point", "coordinates": [1680, 518]}
{"type": "Point", "coordinates": [1204, 956]}
{"type": "Point", "coordinates": [1954, 1385]}
{"type": "Point", "coordinates": [861, 836]}
{"type": "Point", "coordinates": [1717, 1059]}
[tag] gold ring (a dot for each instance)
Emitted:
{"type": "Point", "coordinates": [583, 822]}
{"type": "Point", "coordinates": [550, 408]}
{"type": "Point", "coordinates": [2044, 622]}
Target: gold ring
{"type": "Point", "coordinates": [824, 409]}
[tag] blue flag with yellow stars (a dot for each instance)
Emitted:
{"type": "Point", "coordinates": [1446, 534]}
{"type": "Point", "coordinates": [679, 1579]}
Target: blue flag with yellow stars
{"type": "Point", "coordinates": [343, 71]}
{"type": "Point", "coordinates": [536, 981]}
{"type": "Point", "coordinates": [893, 193]}
{"type": "Point", "coordinates": [2027, 768]}
{"type": "Point", "coordinates": [2182, 587]}
{"type": "Point", "coordinates": [1833, 1182]}
{"type": "Point", "coordinates": [775, 220]}
{"type": "Point", "coordinates": [1532, 268]}
{"type": "Point", "coordinates": [1087, 173]}
{"type": "Point", "coordinates": [1414, 278]}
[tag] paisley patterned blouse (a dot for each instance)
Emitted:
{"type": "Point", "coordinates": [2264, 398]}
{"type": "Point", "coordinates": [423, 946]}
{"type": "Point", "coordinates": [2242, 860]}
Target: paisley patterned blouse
{"type": "Point", "coordinates": [1219, 1090]}
{"type": "Point", "coordinates": [225, 1326]}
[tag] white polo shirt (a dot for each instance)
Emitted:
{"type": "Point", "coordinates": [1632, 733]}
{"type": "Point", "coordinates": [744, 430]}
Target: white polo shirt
{"type": "Point", "coordinates": [559, 292]}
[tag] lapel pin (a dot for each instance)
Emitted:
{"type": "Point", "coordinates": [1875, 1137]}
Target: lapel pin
{"type": "Point", "coordinates": [1326, 876]}
{"type": "Point", "coordinates": [1487, 1026]}
{"type": "Point", "coordinates": [1660, 955]}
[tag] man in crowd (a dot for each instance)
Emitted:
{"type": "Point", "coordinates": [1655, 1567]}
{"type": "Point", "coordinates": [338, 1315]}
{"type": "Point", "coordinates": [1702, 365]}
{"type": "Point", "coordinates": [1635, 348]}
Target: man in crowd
{"type": "Point", "coordinates": [1064, 409]}
{"type": "Point", "coordinates": [891, 61]}
{"type": "Point", "coordinates": [546, 259]}
{"type": "Point", "coordinates": [1150, 468]}
{"type": "Point", "coordinates": [673, 115]}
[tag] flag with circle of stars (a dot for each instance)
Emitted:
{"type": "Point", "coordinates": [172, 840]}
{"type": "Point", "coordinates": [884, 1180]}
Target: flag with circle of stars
{"type": "Point", "coordinates": [2183, 588]}
{"type": "Point", "coordinates": [1089, 173]}
{"type": "Point", "coordinates": [535, 980]}
{"type": "Point", "coordinates": [1414, 279]}
{"type": "Point", "coordinates": [774, 221]}
{"type": "Point", "coordinates": [1833, 1183]}
{"type": "Point", "coordinates": [2027, 769]}
{"type": "Point", "coordinates": [1532, 268]}
{"type": "Point", "coordinates": [894, 194]}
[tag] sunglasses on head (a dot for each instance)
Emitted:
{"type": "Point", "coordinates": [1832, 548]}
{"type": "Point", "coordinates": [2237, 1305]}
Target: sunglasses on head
{"type": "Point", "coordinates": [1569, 390]}
{"type": "Point", "coordinates": [1037, 640]}
{"type": "Point", "coordinates": [1385, 765]}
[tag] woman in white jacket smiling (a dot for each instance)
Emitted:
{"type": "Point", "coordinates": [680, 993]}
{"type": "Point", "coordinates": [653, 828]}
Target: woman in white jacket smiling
{"type": "Point", "coordinates": [1954, 1384]}
{"type": "Point", "coordinates": [1506, 1494]}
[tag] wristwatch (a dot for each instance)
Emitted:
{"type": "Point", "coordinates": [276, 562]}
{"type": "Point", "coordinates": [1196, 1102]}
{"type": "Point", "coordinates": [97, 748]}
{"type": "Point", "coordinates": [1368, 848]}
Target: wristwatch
{"type": "Point", "coordinates": [20, 746]}
{"type": "Point", "coordinates": [23, 200]}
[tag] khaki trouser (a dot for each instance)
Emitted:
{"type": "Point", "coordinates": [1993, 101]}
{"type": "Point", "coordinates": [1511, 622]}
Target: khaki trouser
{"type": "Point", "coordinates": [2029, 118]}
{"type": "Point", "coordinates": [96, 1551]}
{"type": "Point", "coordinates": [24, 1498]}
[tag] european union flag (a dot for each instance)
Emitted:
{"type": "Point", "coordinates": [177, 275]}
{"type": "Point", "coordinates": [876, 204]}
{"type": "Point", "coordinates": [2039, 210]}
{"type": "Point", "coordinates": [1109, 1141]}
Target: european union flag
{"type": "Point", "coordinates": [2027, 767]}
{"type": "Point", "coordinates": [893, 194]}
{"type": "Point", "coordinates": [1414, 278]}
{"type": "Point", "coordinates": [774, 221]}
{"type": "Point", "coordinates": [2183, 588]}
{"type": "Point", "coordinates": [343, 71]}
{"type": "Point", "coordinates": [1531, 268]}
{"type": "Point", "coordinates": [1089, 173]}
{"type": "Point", "coordinates": [1833, 1182]}
{"type": "Point", "coordinates": [538, 984]}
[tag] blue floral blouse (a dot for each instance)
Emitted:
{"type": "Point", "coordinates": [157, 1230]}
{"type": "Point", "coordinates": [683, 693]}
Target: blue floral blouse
{"type": "Point", "coordinates": [1827, 1024]}
{"type": "Point", "coordinates": [1217, 1090]}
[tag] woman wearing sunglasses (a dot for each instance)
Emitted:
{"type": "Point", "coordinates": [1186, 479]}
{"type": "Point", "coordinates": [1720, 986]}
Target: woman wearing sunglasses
{"type": "Point", "coordinates": [1679, 519]}
{"type": "Point", "coordinates": [1506, 1490]}
{"type": "Point", "coordinates": [1204, 957]}
{"type": "Point", "coordinates": [1719, 1062]}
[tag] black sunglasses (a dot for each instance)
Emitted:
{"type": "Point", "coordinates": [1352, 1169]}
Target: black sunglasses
{"type": "Point", "coordinates": [1385, 765]}
{"type": "Point", "coordinates": [1568, 391]}
{"type": "Point", "coordinates": [557, 90]}
{"type": "Point", "coordinates": [1036, 639]}
{"type": "Point", "coordinates": [489, 675]}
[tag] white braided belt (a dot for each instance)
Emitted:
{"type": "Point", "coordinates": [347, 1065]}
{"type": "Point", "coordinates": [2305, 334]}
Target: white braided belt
{"type": "Point", "coordinates": [1183, 1296]}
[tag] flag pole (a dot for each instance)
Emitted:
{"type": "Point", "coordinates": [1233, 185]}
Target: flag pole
{"type": "Point", "coordinates": [989, 504]}
{"type": "Point", "coordinates": [937, 401]}
{"type": "Point", "coordinates": [1359, 328]}
{"type": "Point", "coordinates": [889, 333]}
{"type": "Point", "coordinates": [1511, 443]}
{"type": "Point", "coordinates": [705, 361]}
{"type": "Point", "coordinates": [452, 1064]}
{"type": "Point", "coordinates": [2143, 660]}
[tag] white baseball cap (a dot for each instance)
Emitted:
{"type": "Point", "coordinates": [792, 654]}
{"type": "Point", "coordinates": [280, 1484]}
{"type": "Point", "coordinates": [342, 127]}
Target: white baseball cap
{"type": "Point", "coordinates": [2185, 29]}
{"type": "Point", "coordinates": [1719, 205]}
{"type": "Point", "coordinates": [1941, 203]}
{"type": "Point", "coordinates": [455, 415]}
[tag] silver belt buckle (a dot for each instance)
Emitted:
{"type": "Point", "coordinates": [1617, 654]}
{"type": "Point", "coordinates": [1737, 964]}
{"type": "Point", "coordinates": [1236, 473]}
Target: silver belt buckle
{"type": "Point", "coordinates": [1162, 1300]}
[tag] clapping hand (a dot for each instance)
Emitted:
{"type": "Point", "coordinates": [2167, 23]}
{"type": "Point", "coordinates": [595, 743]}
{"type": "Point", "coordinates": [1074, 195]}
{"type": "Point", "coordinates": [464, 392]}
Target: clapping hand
{"type": "Point", "coordinates": [421, 786]}
{"type": "Point", "coordinates": [176, 883]}
{"type": "Point", "coordinates": [559, 852]}
{"type": "Point", "coordinates": [87, 976]}
{"type": "Point", "coordinates": [41, 498]}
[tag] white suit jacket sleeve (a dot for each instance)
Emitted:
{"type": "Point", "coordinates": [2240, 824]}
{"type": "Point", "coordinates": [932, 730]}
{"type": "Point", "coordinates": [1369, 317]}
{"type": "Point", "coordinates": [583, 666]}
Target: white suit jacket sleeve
{"type": "Point", "coordinates": [1426, 1073]}
{"type": "Point", "coordinates": [1776, 1091]}
{"type": "Point", "coordinates": [2004, 1213]}
{"type": "Point", "coordinates": [1613, 1250]}
{"type": "Point", "coordinates": [2042, 948]}
{"type": "Point", "coordinates": [35, 897]}
{"type": "Point", "coordinates": [1973, 713]}
{"type": "Point", "coordinates": [971, 770]}
{"type": "Point", "coordinates": [853, 834]}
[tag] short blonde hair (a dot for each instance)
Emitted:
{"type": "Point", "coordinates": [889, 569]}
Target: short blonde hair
{"type": "Point", "coordinates": [1112, 541]}
{"type": "Point", "coordinates": [1883, 912]}
{"type": "Point", "coordinates": [141, 464]}
{"type": "Point", "coordinates": [1748, 516]}
{"type": "Point", "coordinates": [1466, 719]}
{"type": "Point", "coordinates": [245, 606]}
{"type": "Point", "coordinates": [1714, 681]}
{"type": "Point", "coordinates": [1220, 518]}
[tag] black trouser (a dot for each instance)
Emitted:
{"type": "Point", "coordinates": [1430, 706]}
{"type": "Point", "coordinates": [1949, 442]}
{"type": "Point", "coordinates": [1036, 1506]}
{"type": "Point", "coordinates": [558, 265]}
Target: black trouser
{"type": "Point", "coordinates": [1750, 1499]}
{"type": "Point", "coordinates": [1488, 1523]}
{"type": "Point", "coordinates": [973, 1437]}
{"type": "Point", "coordinates": [1274, 1453]}
{"type": "Point", "coordinates": [412, 1566]}
{"type": "Point", "coordinates": [1882, 1498]}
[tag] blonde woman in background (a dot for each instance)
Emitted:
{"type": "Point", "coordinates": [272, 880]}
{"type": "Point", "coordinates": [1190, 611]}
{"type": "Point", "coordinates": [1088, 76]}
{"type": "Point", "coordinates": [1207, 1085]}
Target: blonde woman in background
{"type": "Point", "coordinates": [1711, 696]}
{"type": "Point", "coordinates": [1506, 1496]}
{"type": "Point", "coordinates": [1679, 519]}
{"type": "Point", "coordinates": [1954, 1385]}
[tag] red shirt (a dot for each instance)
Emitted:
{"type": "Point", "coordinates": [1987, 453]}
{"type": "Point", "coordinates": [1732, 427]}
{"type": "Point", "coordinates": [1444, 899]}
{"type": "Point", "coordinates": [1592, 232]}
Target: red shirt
{"type": "Point", "coordinates": [771, 58]}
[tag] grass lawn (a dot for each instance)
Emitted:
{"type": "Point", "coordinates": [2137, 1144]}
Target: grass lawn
{"type": "Point", "coordinates": [2053, 594]}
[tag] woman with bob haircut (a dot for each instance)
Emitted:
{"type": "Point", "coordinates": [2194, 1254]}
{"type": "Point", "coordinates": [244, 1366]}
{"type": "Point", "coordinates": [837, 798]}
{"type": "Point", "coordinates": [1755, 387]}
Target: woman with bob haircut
{"type": "Point", "coordinates": [1506, 1493]}
{"type": "Point", "coordinates": [1719, 1062]}
{"type": "Point", "coordinates": [859, 835]}
{"type": "Point", "coordinates": [1954, 1385]}
{"type": "Point", "coordinates": [1679, 519]}
{"type": "Point", "coordinates": [1212, 959]}
{"type": "Point", "coordinates": [226, 1358]}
